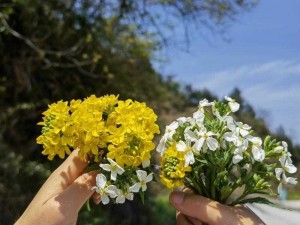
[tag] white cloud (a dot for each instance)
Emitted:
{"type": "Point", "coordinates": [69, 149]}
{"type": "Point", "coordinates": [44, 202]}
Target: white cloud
{"type": "Point", "coordinates": [272, 86]}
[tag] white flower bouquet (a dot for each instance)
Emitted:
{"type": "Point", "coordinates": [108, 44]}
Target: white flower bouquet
{"type": "Point", "coordinates": [222, 159]}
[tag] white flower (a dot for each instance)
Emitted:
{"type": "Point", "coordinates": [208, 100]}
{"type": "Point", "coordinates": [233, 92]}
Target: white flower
{"type": "Point", "coordinates": [257, 150]}
{"type": "Point", "coordinates": [113, 168]}
{"type": "Point", "coordinates": [242, 129]}
{"type": "Point", "coordinates": [282, 148]}
{"type": "Point", "coordinates": [286, 180]}
{"type": "Point", "coordinates": [186, 147]}
{"type": "Point", "coordinates": [198, 116]}
{"type": "Point", "coordinates": [204, 103]}
{"type": "Point", "coordinates": [230, 123]}
{"type": "Point", "coordinates": [233, 105]}
{"type": "Point", "coordinates": [206, 141]}
{"type": "Point", "coordinates": [287, 166]}
{"type": "Point", "coordinates": [182, 120]}
{"type": "Point", "coordinates": [238, 152]}
{"type": "Point", "coordinates": [143, 180]}
{"type": "Point", "coordinates": [103, 190]}
{"type": "Point", "coordinates": [169, 132]}
{"type": "Point", "coordinates": [122, 196]}
{"type": "Point", "coordinates": [234, 137]}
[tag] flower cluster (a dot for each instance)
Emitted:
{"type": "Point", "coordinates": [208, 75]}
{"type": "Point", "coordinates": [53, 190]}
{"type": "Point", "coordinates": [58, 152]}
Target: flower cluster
{"type": "Point", "coordinates": [117, 134]}
{"type": "Point", "coordinates": [220, 158]}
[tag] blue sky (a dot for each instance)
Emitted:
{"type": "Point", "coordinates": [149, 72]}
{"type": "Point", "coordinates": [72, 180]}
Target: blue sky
{"type": "Point", "coordinates": [262, 59]}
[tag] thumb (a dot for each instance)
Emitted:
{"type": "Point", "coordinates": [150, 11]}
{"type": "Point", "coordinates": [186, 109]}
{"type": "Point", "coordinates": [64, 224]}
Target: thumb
{"type": "Point", "coordinates": [197, 206]}
{"type": "Point", "coordinates": [74, 196]}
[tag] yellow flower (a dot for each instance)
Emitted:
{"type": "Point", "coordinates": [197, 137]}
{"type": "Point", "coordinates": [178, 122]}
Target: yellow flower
{"type": "Point", "coordinates": [100, 127]}
{"type": "Point", "coordinates": [173, 170]}
{"type": "Point", "coordinates": [131, 127]}
{"type": "Point", "coordinates": [54, 124]}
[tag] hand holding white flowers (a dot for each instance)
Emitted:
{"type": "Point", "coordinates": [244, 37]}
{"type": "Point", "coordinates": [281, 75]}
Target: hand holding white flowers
{"type": "Point", "coordinates": [214, 155]}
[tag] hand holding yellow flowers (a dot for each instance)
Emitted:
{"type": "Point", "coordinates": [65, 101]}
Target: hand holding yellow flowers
{"type": "Point", "coordinates": [117, 134]}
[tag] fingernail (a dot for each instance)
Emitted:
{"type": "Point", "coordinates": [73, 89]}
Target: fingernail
{"type": "Point", "coordinates": [176, 198]}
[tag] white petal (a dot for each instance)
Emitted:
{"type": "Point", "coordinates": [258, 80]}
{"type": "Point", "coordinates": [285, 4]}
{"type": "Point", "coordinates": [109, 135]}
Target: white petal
{"type": "Point", "coordinates": [135, 188]}
{"type": "Point", "coordinates": [198, 145]}
{"type": "Point", "coordinates": [212, 143]}
{"type": "Point", "coordinates": [119, 170]}
{"type": "Point", "coordinates": [104, 199]}
{"type": "Point", "coordinates": [234, 106]}
{"type": "Point", "coordinates": [120, 199]}
{"type": "Point", "coordinates": [244, 133]}
{"type": "Point", "coordinates": [228, 98]}
{"type": "Point", "coordinates": [230, 123]}
{"type": "Point", "coordinates": [209, 133]}
{"type": "Point", "coordinates": [237, 158]}
{"type": "Point", "coordinates": [258, 153]}
{"type": "Point", "coordinates": [113, 175]}
{"type": "Point", "coordinates": [278, 172]}
{"type": "Point", "coordinates": [188, 134]}
{"type": "Point", "coordinates": [278, 149]}
{"type": "Point", "coordinates": [230, 136]}
{"type": "Point", "coordinates": [181, 146]}
{"type": "Point", "coordinates": [146, 163]}
{"type": "Point", "coordinates": [199, 116]}
{"type": "Point", "coordinates": [172, 127]}
{"type": "Point", "coordinates": [111, 161]}
{"type": "Point", "coordinates": [255, 140]}
{"type": "Point", "coordinates": [291, 180]}
{"type": "Point", "coordinates": [282, 160]}
{"type": "Point", "coordinates": [162, 145]}
{"type": "Point", "coordinates": [112, 191]}
{"type": "Point", "coordinates": [106, 167]}
{"type": "Point", "coordinates": [141, 174]}
{"type": "Point", "coordinates": [149, 177]}
{"type": "Point", "coordinates": [100, 180]}
{"type": "Point", "coordinates": [182, 120]}
{"type": "Point", "coordinates": [246, 127]}
{"type": "Point", "coordinates": [129, 196]}
{"type": "Point", "coordinates": [189, 158]}
{"type": "Point", "coordinates": [290, 168]}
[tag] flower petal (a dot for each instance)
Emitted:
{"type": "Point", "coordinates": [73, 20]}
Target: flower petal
{"type": "Point", "coordinates": [135, 188]}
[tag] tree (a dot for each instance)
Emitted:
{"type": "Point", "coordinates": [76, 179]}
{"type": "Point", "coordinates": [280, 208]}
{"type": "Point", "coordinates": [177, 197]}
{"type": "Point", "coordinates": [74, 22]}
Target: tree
{"type": "Point", "coordinates": [52, 50]}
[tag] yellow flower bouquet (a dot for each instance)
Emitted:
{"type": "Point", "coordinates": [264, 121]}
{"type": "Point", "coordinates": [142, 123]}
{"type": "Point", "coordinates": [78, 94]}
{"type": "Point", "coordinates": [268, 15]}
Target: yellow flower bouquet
{"type": "Point", "coordinates": [116, 136]}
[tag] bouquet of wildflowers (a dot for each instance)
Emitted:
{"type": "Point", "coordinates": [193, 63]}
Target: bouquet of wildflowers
{"type": "Point", "coordinates": [222, 159]}
{"type": "Point", "coordinates": [114, 135]}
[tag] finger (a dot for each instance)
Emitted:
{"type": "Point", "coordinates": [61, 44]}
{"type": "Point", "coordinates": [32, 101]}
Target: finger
{"type": "Point", "coordinates": [70, 169]}
{"type": "Point", "coordinates": [63, 176]}
{"type": "Point", "coordinates": [78, 192]}
{"type": "Point", "coordinates": [187, 219]}
{"type": "Point", "coordinates": [197, 206]}
{"type": "Point", "coordinates": [96, 198]}
{"type": "Point", "coordinates": [181, 219]}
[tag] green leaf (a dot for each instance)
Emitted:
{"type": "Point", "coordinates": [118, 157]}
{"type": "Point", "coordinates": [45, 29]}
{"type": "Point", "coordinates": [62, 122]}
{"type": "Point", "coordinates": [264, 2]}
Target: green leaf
{"type": "Point", "coordinates": [258, 200]}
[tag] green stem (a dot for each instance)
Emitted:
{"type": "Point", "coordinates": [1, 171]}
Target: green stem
{"type": "Point", "coordinates": [212, 186]}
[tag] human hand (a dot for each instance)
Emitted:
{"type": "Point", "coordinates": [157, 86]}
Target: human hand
{"type": "Point", "coordinates": [198, 210]}
{"type": "Point", "coordinates": [62, 195]}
